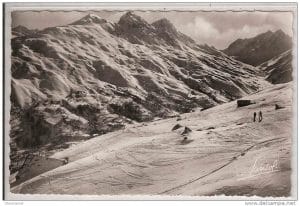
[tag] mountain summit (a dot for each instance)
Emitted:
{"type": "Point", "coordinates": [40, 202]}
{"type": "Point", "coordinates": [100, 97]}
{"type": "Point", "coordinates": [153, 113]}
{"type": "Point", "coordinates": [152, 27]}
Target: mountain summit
{"type": "Point", "coordinates": [132, 20]}
{"type": "Point", "coordinates": [164, 25]}
{"type": "Point", "coordinates": [162, 32]}
{"type": "Point", "coordinates": [135, 29]}
{"type": "Point", "coordinates": [167, 31]}
{"type": "Point", "coordinates": [90, 18]}
{"type": "Point", "coordinates": [260, 48]}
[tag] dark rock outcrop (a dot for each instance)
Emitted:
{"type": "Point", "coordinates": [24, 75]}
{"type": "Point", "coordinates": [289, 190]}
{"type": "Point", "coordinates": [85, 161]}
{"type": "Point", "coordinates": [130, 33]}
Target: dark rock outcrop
{"type": "Point", "coordinates": [177, 126]}
{"type": "Point", "coordinates": [244, 102]}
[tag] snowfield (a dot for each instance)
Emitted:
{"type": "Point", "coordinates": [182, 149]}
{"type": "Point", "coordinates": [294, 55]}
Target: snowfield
{"type": "Point", "coordinates": [226, 153]}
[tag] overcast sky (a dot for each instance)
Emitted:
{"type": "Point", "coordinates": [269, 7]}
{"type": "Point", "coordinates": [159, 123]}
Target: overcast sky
{"type": "Point", "coordinates": [218, 29]}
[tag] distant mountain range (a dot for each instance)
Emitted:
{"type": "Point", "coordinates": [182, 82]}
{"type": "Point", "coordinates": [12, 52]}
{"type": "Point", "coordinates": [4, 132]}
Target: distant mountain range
{"type": "Point", "coordinates": [94, 76]}
{"type": "Point", "coordinates": [22, 31]}
{"type": "Point", "coordinates": [261, 48]}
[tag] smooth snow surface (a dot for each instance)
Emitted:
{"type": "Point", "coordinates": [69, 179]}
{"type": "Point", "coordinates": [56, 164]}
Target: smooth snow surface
{"type": "Point", "coordinates": [226, 153]}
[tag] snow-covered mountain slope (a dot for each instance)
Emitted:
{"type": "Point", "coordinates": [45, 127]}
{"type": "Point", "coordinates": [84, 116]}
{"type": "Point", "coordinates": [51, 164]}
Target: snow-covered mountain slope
{"type": "Point", "coordinates": [279, 69]}
{"type": "Point", "coordinates": [94, 76]}
{"type": "Point", "coordinates": [226, 153]}
{"type": "Point", "coordinates": [261, 48]}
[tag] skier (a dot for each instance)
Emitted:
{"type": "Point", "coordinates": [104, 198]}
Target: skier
{"type": "Point", "coordinates": [260, 116]}
{"type": "Point", "coordinates": [254, 116]}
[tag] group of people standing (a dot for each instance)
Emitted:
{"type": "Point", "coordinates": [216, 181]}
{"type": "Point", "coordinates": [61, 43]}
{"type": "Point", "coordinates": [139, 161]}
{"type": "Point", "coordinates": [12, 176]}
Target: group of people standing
{"type": "Point", "coordinates": [259, 116]}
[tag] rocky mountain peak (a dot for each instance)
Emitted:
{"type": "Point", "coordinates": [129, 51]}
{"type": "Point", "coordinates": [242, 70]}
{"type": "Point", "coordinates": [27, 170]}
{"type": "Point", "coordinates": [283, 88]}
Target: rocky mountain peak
{"type": "Point", "coordinates": [164, 25]}
{"type": "Point", "coordinates": [90, 18]}
{"type": "Point", "coordinates": [131, 19]}
{"type": "Point", "coordinates": [279, 32]}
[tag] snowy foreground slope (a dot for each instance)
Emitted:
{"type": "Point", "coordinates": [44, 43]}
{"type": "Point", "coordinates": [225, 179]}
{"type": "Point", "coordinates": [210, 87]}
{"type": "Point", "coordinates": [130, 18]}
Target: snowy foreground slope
{"type": "Point", "coordinates": [226, 153]}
